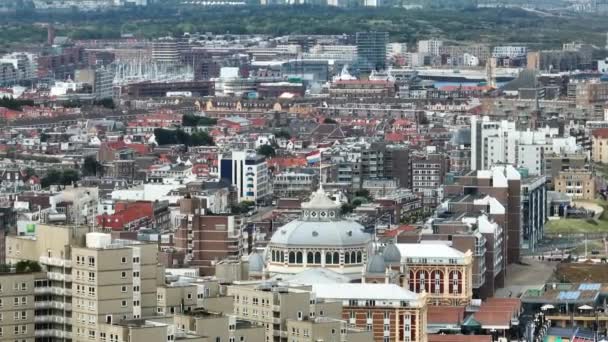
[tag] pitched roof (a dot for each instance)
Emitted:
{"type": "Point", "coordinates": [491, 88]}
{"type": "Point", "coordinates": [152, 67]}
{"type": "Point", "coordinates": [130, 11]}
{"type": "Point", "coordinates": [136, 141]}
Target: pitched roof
{"type": "Point", "coordinates": [445, 314]}
{"type": "Point", "coordinates": [600, 133]}
{"type": "Point", "coordinates": [459, 338]}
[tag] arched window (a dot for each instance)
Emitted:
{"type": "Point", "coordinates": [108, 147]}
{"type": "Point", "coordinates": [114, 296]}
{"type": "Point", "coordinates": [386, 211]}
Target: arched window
{"type": "Point", "coordinates": [347, 257]}
{"type": "Point", "coordinates": [412, 281]}
{"type": "Point", "coordinates": [327, 258]}
{"type": "Point", "coordinates": [282, 258]}
{"type": "Point", "coordinates": [336, 258]}
{"type": "Point", "coordinates": [309, 258]}
{"type": "Point", "coordinates": [318, 258]}
{"type": "Point", "coordinates": [353, 257]}
{"type": "Point", "coordinates": [437, 282]}
{"type": "Point", "coordinates": [299, 258]}
{"type": "Point", "coordinates": [359, 258]}
{"type": "Point", "coordinates": [422, 281]}
{"type": "Point", "coordinates": [455, 285]}
{"type": "Point", "coordinates": [274, 255]}
{"type": "Point", "coordinates": [292, 257]}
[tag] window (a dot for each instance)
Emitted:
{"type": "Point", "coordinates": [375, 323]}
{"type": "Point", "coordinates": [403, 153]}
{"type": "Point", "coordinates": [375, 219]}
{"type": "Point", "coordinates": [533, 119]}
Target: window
{"type": "Point", "coordinates": [91, 276]}
{"type": "Point", "coordinates": [16, 301]}
{"type": "Point", "coordinates": [136, 288]}
{"type": "Point", "coordinates": [136, 260]}
{"type": "Point", "coordinates": [299, 257]}
{"type": "Point", "coordinates": [91, 261]}
{"type": "Point", "coordinates": [123, 260]}
{"type": "Point", "coordinates": [123, 303]}
{"type": "Point", "coordinates": [23, 287]}
{"type": "Point", "coordinates": [123, 274]}
{"type": "Point", "coordinates": [123, 289]}
{"type": "Point", "coordinates": [136, 274]}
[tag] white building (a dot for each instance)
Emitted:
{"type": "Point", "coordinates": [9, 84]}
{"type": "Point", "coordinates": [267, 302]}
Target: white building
{"type": "Point", "coordinates": [499, 142]}
{"type": "Point", "coordinates": [509, 51]}
{"type": "Point", "coordinates": [25, 64]}
{"type": "Point", "coordinates": [248, 172]}
{"type": "Point", "coordinates": [602, 65]}
{"type": "Point", "coordinates": [430, 47]}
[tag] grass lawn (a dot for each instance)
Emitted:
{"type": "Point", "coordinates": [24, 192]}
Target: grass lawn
{"type": "Point", "coordinates": [573, 226]}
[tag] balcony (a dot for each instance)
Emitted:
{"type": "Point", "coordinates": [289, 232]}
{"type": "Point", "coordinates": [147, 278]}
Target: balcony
{"type": "Point", "coordinates": [55, 262]}
{"type": "Point", "coordinates": [59, 276]}
{"type": "Point", "coordinates": [54, 290]}
{"type": "Point", "coordinates": [51, 319]}
{"type": "Point", "coordinates": [53, 304]}
{"type": "Point", "coordinates": [52, 333]}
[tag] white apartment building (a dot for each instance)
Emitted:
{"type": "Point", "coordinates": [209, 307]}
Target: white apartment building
{"type": "Point", "coordinates": [25, 64]}
{"type": "Point", "coordinates": [499, 142]}
{"type": "Point", "coordinates": [509, 51]}
{"type": "Point", "coordinates": [248, 172]}
{"type": "Point", "coordinates": [430, 47]}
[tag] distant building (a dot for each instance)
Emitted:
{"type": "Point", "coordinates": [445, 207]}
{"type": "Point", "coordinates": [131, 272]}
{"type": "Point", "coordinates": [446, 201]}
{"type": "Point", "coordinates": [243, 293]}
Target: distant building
{"type": "Point", "coordinates": [248, 172]}
{"type": "Point", "coordinates": [430, 47]}
{"type": "Point", "coordinates": [577, 184]}
{"type": "Point", "coordinates": [599, 145]}
{"type": "Point", "coordinates": [204, 239]}
{"type": "Point", "coordinates": [371, 50]}
{"type": "Point", "coordinates": [509, 51]}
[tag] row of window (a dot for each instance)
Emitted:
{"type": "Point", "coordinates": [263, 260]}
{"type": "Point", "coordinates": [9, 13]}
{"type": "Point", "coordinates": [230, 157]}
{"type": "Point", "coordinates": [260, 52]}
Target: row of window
{"type": "Point", "coordinates": [316, 257]}
{"type": "Point", "coordinates": [17, 330]}
{"type": "Point", "coordinates": [17, 286]}
{"type": "Point", "coordinates": [16, 301]}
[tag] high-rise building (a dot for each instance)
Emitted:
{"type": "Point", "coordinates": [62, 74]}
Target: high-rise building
{"type": "Point", "coordinates": [248, 172]}
{"type": "Point", "coordinates": [168, 50]}
{"type": "Point", "coordinates": [204, 239]}
{"type": "Point", "coordinates": [17, 305]}
{"type": "Point", "coordinates": [371, 50]}
{"type": "Point", "coordinates": [90, 280]}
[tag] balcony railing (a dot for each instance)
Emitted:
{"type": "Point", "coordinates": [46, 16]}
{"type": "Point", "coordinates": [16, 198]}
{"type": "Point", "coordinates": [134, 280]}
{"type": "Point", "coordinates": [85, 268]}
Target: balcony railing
{"type": "Point", "coordinates": [55, 261]}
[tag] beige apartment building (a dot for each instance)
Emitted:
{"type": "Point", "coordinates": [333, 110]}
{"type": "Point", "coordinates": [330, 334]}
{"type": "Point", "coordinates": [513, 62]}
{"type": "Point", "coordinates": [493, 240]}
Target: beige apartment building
{"type": "Point", "coordinates": [216, 327]}
{"type": "Point", "coordinates": [577, 184]}
{"type": "Point", "coordinates": [599, 145]}
{"type": "Point", "coordinates": [276, 308]}
{"type": "Point", "coordinates": [90, 279]}
{"type": "Point", "coordinates": [17, 306]}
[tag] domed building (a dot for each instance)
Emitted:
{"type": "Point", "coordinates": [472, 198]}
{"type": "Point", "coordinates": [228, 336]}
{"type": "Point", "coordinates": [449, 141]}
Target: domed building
{"type": "Point", "coordinates": [319, 238]}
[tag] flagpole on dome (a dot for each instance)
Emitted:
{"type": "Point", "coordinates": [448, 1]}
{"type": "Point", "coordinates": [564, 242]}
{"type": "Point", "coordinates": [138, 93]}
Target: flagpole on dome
{"type": "Point", "coordinates": [320, 170]}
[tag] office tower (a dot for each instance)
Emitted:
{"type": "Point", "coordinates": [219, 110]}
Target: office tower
{"type": "Point", "coordinates": [248, 172]}
{"type": "Point", "coordinates": [371, 50]}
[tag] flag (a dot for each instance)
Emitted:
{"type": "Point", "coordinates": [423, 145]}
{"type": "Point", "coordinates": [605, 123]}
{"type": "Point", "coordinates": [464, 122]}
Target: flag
{"type": "Point", "coordinates": [313, 157]}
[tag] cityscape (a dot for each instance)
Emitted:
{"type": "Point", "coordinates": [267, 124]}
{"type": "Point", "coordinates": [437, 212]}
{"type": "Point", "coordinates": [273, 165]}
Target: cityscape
{"type": "Point", "coordinates": [303, 171]}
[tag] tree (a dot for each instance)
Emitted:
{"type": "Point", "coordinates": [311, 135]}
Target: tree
{"type": "Point", "coordinates": [242, 207]}
{"type": "Point", "coordinates": [283, 134]}
{"type": "Point", "coordinates": [201, 139]}
{"type": "Point", "coordinates": [69, 176]}
{"type": "Point", "coordinates": [106, 103]}
{"type": "Point", "coordinates": [346, 208]}
{"type": "Point", "coordinates": [195, 120]}
{"type": "Point", "coordinates": [330, 121]}
{"type": "Point", "coordinates": [267, 151]}
{"type": "Point", "coordinates": [52, 177]}
{"type": "Point", "coordinates": [27, 266]}
{"type": "Point", "coordinates": [363, 193]}
{"type": "Point", "coordinates": [91, 167]}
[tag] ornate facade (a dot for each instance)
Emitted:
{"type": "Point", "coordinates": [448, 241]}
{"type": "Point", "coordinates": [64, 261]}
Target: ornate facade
{"type": "Point", "coordinates": [320, 238]}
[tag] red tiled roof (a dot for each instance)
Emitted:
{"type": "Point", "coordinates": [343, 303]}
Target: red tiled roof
{"type": "Point", "coordinates": [286, 162]}
{"type": "Point", "coordinates": [459, 338]}
{"type": "Point", "coordinates": [399, 230]}
{"type": "Point", "coordinates": [600, 133]}
{"type": "Point", "coordinates": [363, 82]}
{"type": "Point", "coordinates": [394, 137]}
{"type": "Point", "coordinates": [445, 314]}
